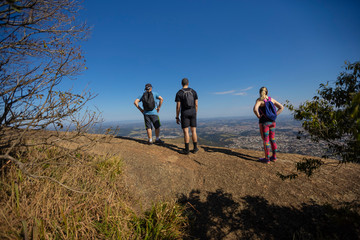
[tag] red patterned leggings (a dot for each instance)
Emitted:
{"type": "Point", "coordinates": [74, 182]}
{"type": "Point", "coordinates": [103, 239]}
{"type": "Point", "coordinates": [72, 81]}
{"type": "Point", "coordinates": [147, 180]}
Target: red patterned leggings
{"type": "Point", "coordinates": [267, 131]}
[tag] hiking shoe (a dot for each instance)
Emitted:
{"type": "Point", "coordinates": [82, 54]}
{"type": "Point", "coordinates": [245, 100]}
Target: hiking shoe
{"type": "Point", "coordinates": [149, 143]}
{"type": "Point", "coordinates": [195, 150]}
{"type": "Point", "coordinates": [159, 141]}
{"type": "Point", "coordinates": [264, 160]}
{"type": "Point", "coordinates": [185, 151]}
{"type": "Point", "coordinates": [273, 159]}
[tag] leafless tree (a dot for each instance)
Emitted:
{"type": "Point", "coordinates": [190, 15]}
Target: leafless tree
{"type": "Point", "coordinates": [39, 50]}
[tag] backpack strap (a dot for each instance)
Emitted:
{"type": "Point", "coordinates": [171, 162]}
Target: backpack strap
{"type": "Point", "coordinates": [189, 90]}
{"type": "Point", "coordinates": [266, 100]}
{"type": "Point", "coordinates": [185, 90]}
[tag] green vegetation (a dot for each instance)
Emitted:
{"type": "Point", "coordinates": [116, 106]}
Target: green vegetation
{"type": "Point", "coordinates": [162, 221]}
{"type": "Point", "coordinates": [33, 208]}
{"type": "Point", "coordinates": [333, 116]}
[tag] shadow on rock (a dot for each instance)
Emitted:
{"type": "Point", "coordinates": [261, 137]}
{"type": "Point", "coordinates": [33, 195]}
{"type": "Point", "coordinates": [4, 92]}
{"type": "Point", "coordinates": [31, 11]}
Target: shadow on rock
{"type": "Point", "coordinates": [217, 216]}
{"type": "Point", "coordinates": [213, 218]}
{"type": "Point", "coordinates": [231, 153]}
{"type": "Point", "coordinates": [166, 145]}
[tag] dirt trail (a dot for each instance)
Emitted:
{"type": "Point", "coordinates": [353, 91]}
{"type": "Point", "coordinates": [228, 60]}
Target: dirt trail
{"type": "Point", "coordinates": [220, 183]}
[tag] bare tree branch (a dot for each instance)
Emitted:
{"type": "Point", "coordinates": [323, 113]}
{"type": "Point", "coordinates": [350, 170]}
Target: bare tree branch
{"type": "Point", "coordinates": [39, 50]}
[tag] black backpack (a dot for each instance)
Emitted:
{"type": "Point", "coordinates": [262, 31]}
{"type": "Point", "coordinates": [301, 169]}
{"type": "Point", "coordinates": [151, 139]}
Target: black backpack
{"type": "Point", "coordinates": [189, 100]}
{"type": "Point", "coordinates": [148, 101]}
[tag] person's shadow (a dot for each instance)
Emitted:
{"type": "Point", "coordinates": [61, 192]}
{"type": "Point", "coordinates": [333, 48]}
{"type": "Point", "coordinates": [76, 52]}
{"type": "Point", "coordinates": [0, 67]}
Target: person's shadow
{"type": "Point", "coordinates": [166, 145]}
{"type": "Point", "coordinates": [230, 152]}
{"type": "Point", "coordinates": [217, 216]}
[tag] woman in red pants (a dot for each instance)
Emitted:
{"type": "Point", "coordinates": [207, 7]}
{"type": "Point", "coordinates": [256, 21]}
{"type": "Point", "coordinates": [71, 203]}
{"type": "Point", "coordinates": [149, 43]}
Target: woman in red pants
{"type": "Point", "coordinates": [266, 125]}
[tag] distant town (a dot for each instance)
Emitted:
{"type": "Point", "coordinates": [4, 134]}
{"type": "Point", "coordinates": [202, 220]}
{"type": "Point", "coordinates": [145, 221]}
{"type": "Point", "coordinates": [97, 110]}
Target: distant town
{"type": "Point", "coordinates": [230, 133]}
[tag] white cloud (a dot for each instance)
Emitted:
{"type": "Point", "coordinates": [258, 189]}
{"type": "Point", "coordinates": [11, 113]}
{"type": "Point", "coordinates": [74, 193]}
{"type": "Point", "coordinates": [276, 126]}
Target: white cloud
{"type": "Point", "coordinates": [226, 92]}
{"type": "Point", "coordinates": [246, 89]}
{"type": "Point", "coordinates": [240, 94]}
{"type": "Point", "coordinates": [234, 92]}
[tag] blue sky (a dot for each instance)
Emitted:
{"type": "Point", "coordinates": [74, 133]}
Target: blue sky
{"type": "Point", "coordinates": [227, 48]}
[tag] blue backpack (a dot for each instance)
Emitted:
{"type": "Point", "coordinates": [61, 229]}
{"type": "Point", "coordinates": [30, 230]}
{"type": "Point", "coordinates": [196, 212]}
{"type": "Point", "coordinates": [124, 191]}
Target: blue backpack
{"type": "Point", "coordinates": [270, 110]}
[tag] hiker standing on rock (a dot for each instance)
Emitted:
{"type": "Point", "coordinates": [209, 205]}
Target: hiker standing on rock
{"type": "Point", "coordinates": [265, 110]}
{"type": "Point", "coordinates": [187, 103]}
{"type": "Point", "coordinates": [150, 112]}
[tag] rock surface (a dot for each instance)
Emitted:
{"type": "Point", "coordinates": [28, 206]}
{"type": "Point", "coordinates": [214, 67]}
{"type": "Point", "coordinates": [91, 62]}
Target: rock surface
{"type": "Point", "coordinates": [233, 196]}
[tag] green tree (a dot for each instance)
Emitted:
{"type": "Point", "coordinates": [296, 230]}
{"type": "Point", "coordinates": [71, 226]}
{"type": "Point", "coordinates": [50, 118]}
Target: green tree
{"type": "Point", "coordinates": [333, 116]}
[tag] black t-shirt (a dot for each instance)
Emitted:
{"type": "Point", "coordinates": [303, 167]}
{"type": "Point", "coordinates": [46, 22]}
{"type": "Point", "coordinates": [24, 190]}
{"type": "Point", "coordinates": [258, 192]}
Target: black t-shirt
{"type": "Point", "coordinates": [180, 98]}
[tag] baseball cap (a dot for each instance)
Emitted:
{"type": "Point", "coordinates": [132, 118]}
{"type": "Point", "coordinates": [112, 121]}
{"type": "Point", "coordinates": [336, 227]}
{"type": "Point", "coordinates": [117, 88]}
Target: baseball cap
{"type": "Point", "coordinates": [148, 86]}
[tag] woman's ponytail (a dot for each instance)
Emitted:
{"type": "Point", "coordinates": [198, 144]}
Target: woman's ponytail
{"type": "Point", "coordinates": [263, 93]}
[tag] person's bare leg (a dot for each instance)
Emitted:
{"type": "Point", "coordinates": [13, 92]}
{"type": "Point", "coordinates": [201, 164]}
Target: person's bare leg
{"type": "Point", "coordinates": [186, 140]}
{"type": "Point", "coordinates": [157, 133]}
{"type": "Point", "coordinates": [186, 135]}
{"type": "Point", "coordinates": [194, 138]}
{"type": "Point", "coordinates": [193, 133]}
{"type": "Point", "coordinates": [149, 133]}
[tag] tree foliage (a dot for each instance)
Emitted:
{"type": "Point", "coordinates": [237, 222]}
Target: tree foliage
{"type": "Point", "coordinates": [333, 116]}
{"type": "Point", "coordinates": [39, 50]}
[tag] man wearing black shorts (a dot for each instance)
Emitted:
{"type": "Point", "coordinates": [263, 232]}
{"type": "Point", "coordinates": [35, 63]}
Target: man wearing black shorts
{"type": "Point", "coordinates": [151, 115]}
{"type": "Point", "coordinates": [187, 103]}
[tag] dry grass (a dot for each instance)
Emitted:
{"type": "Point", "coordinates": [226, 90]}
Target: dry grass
{"type": "Point", "coordinates": [41, 209]}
